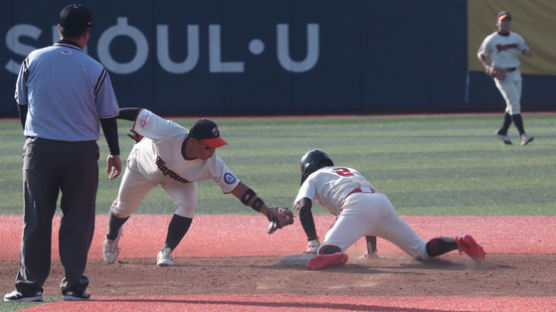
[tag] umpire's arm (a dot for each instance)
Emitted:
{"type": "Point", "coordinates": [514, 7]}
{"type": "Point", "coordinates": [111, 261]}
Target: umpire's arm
{"type": "Point", "coordinates": [113, 162]}
{"type": "Point", "coordinates": [22, 109]}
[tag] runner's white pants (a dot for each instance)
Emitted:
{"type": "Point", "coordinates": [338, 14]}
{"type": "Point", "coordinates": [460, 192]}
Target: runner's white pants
{"type": "Point", "coordinates": [366, 214]}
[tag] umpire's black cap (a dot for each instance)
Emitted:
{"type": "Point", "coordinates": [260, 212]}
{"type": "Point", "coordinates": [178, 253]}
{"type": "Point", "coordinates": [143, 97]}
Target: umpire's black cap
{"type": "Point", "coordinates": [502, 15]}
{"type": "Point", "coordinates": [76, 18]}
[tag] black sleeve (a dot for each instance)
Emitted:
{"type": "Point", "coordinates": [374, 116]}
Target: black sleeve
{"type": "Point", "coordinates": [22, 109]}
{"type": "Point", "coordinates": [110, 129]}
{"type": "Point", "coordinates": [129, 113]}
{"type": "Point", "coordinates": [306, 218]}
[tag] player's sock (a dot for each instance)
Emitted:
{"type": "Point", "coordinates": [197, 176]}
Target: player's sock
{"type": "Point", "coordinates": [441, 245]}
{"type": "Point", "coordinates": [518, 121]}
{"type": "Point", "coordinates": [506, 124]}
{"type": "Point", "coordinates": [114, 225]}
{"type": "Point", "coordinates": [176, 230]}
{"type": "Point", "coordinates": [329, 249]}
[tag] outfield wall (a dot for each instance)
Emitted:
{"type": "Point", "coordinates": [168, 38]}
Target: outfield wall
{"type": "Point", "coordinates": [274, 56]}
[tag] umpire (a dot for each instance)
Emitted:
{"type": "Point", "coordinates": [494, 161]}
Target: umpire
{"type": "Point", "coordinates": [61, 94]}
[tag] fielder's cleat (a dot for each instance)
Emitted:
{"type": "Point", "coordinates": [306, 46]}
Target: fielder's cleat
{"type": "Point", "coordinates": [312, 247]}
{"type": "Point", "coordinates": [327, 261]}
{"type": "Point", "coordinates": [71, 295]}
{"type": "Point", "coordinates": [164, 257]}
{"type": "Point", "coordinates": [110, 248]}
{"type": "Point", "coordinates": [525, 138]}
{"type": "Point", "coordinates": [16, 296]}
{"type": "Point", "coordinates": [505, 138]}
{"type": "Point", "coordinates": [470, 247]}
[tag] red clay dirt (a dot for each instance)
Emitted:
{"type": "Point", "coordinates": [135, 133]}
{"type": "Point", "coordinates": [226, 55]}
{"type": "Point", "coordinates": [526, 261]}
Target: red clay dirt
{"type": "Point", "coordinates": [228, 263]}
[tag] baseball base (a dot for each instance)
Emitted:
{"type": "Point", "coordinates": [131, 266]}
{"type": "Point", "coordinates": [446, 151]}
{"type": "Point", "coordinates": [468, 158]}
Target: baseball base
{"type": "Point", "coordinates": [295, 260]}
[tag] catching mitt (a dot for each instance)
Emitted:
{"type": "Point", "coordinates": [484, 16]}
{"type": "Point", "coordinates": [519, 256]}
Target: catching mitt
{"type": "Point", "coordinates": [496, 72]}
{"type": "Point", "coordinates": [278, 217]}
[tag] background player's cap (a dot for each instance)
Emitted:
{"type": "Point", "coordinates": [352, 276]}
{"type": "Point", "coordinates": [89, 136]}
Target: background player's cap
{"type": "Point", "coordinates": [503, 15]}
{"type": "Point", "coordinates": [207, 131]}
{"type": "Point", "coordinates": [76, 18]}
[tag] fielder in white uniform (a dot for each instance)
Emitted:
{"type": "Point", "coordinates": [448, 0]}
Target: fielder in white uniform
{"type": "Point", "coordinates": [503, 48]}
{"type": "Point", "coordinates": [361, 211]}
{"type": "Point", "coordinates": [168, 155]}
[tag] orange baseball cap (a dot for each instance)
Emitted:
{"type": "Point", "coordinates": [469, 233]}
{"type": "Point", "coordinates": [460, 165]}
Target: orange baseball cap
{"type": "Point", "coordinates": [207, 131]}
{"type": "Point", "coordinates": [503, 15]}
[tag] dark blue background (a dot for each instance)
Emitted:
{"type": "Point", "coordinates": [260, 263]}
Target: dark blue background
{"type": "Point", "coordinates": [375, 57]}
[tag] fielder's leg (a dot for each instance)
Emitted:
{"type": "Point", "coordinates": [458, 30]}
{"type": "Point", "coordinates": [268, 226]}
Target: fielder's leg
{"type": "Point", "coordinates": [133, 189]}
{"type": "Point", "coordinates": [185, 199]}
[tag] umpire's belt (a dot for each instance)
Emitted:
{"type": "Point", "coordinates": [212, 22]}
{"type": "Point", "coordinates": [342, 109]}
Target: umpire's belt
{"type": "Point", "coordinates": [511, 69]}
{"type": "Point", "coordinates": [357, 190]}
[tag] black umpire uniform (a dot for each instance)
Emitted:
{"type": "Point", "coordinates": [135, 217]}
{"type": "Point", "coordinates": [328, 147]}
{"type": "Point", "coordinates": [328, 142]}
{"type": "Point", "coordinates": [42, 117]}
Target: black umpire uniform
{"type": "Point", "coordinates": [61, 94]}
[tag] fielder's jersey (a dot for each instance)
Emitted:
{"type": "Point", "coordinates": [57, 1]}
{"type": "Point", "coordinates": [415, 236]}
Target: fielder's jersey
{"type": "Point", "coordinates": [159, 153]}
{"type": "Point", "coordinates": [330, 186]}
{"type": "Point", "coordinates": [503, 50]}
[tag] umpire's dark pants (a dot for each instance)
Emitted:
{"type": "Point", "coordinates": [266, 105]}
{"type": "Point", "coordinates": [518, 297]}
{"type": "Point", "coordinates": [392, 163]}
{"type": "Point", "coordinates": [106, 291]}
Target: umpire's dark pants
{"type": "Point", "coordinates": [48, 168]}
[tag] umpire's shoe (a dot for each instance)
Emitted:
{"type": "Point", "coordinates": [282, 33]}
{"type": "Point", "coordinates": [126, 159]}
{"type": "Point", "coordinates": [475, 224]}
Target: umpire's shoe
{"type": "Point", "coordinates": [16, 296]}
{"type": "Point", "coordinates": [70, 295]}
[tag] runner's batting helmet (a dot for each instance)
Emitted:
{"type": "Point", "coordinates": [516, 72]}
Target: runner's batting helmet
{"type": "Point", "coordinates": [312, 161]}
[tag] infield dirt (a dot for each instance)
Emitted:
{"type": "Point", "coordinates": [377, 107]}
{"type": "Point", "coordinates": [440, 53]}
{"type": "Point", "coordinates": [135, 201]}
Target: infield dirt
{"type": "Point", "coordinates": [232, 256]}
{"type": "Point", "coordinates": [520, 275]}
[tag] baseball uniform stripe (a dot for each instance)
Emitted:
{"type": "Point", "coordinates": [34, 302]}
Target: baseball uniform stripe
{"type": "Point", "coordinates": [100, 81]}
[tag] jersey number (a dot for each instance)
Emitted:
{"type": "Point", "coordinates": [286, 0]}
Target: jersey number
{"type": "Point", "coordinates": [344, 172]}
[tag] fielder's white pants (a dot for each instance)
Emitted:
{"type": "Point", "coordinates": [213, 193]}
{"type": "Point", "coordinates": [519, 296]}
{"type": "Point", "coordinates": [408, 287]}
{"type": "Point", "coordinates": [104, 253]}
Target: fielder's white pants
{"type": "Point", "coordinates": [510, 88]}
{"type": "Point", "coordinates": [366, 214]}
{"type": "Point", "coordinates": [135, 186]}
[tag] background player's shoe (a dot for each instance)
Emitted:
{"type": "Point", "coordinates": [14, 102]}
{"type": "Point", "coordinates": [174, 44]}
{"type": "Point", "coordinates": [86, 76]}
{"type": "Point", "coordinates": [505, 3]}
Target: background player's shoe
{"type": "Point", "coordinates": [327, 261]}
{"type": "Point", "coordinates": [525, 138]}
{"type": "Point", "coordinates": [16, 296]}
{"type": "Point", "coordinates": [505, 138]}
{"type": "Point", "coordinates": [110, 248]}
{"type": "Point", "coordinates": [164, 257]}
{"type": "Point", "coordinates": [470, 247]}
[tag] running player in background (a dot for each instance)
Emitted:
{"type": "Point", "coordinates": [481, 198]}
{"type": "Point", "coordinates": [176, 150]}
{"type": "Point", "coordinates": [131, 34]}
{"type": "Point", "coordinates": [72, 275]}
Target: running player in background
{"type": "Point", "coordinates": [165, 153]}
{"type": "Point", "coordinates": [361, 211]}
{"type": "Point", "coordinates": [503, 48]}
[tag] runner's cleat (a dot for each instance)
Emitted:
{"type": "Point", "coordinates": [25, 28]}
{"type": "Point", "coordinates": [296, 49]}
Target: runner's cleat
{"type": "Point", "coordinates": [326, 261]}
{"type": "Point", "coordinates": [470, 247]}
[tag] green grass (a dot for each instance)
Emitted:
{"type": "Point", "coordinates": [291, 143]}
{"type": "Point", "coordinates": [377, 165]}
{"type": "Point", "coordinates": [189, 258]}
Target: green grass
{"type": "Point", "coordinates": [427, 165]}
{"type": "Point", "coordinates": [18, 306]}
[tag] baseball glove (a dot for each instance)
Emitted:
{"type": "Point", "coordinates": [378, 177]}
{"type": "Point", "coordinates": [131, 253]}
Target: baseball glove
{"type": "Point", "coordinates": [278, 217]}
{"type": "Point", "coordinates": [496, 72]}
